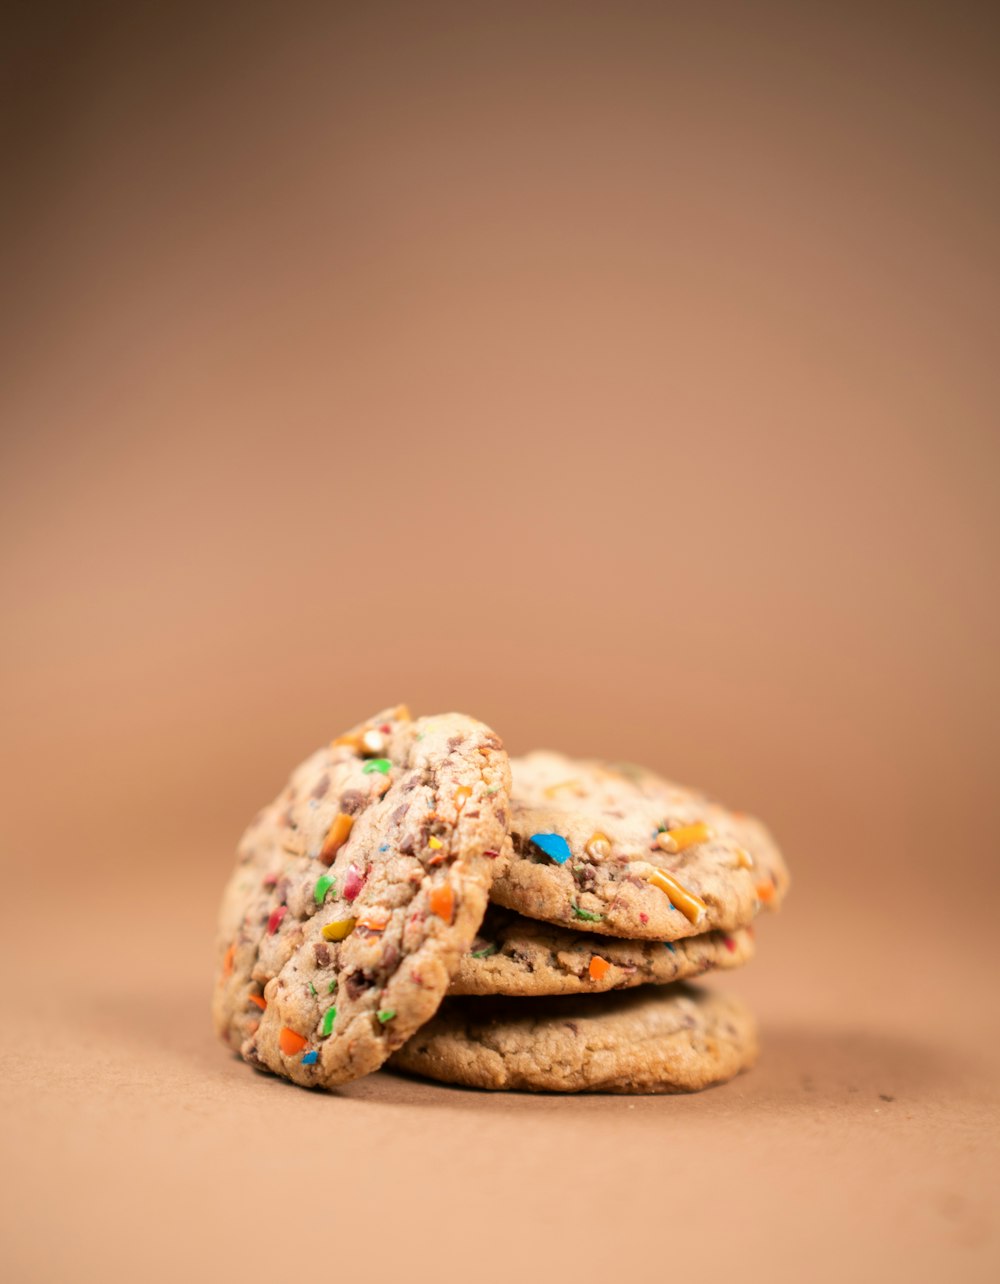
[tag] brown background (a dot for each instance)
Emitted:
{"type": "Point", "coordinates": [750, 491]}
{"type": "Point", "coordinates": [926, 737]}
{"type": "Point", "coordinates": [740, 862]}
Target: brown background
{"type": "Point", "coordinates": [624, 375]}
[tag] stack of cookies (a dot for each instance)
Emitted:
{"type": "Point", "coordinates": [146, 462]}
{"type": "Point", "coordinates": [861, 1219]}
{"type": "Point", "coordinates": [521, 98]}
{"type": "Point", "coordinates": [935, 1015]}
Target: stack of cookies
{"type": "Point", "coordinates": [414, 896]}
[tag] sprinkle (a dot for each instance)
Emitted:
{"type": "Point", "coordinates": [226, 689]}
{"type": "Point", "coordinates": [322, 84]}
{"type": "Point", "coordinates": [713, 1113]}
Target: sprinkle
{"type": "Point", "coordinates": [274, 922]}
{"type": "Point", "coordinates": [462, 795]}
{"type": "Point", "coordinates": [586, 914]}
{"type": "Point", "coordinates": [353, 883]}
{"type": "Point", "coordinates": [435, 843]}
{"type": "Point", "coordinates": [743, 858]}
{"type": "Point", "coordinates": [730, 944]}
{"type": "Point", "coordinates": [684, 836]}
{"type": "Point", "coordinates": [332, 987]}
{"type": "Point", "coordinates": [553, 845]}
{"type": "Point", "coordinates": [312, 988]}
{"type": "Point", "coordinates": [336, 837]}
{"type": "Point", "coordinates": [550, 791]}
{"type": "Point", "coordinates": [352, 739]}
{"type": "Point", "coordinates": [442, 901]}
{"type": "Point", "coordinates": [598, 967]}
{"type": "Point", "coordinates": [338, 930]}
{"type": "Point", "coordinates": [310, 1058]}
{"type": "Point", "coordinates": [374, 920]}
{"type": "Point", "coordinates": [227, 961]}
{"type": "Point", "coordinates": [691, 906]}
{"type": "Point", "coordinates": [486, 953]}
{"type": "Point", "coordinates": [259, 1000]}
{"type": "Point", "coordinates": [382, 765]}
{"type": "Point", "coordinates": [386, 1015]}
{"type": "Point", "coordinates": [493, 789]}
{"type": "Point", "coordinates": [598, 846]}
{"type": "Point", "coordinates": [765, 892]}
{"type": "Point", "coordinates": [383, 847]}
{"type": "Point", "coordinates": [290, 1043]}
{"type": "Point", "coordinates": [491, 854]}
{"type": "Point", "coordinates": [323, 885]}
{"type": "Point", "coordinates": [671, 946]}
{"type": "Point", "coordinates": [329, 1016]}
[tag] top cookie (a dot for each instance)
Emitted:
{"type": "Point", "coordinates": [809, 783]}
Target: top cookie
{"type": "Point", "coordinates": [620, 851]}
{"type": "Point", "coordinates": [358, 891]}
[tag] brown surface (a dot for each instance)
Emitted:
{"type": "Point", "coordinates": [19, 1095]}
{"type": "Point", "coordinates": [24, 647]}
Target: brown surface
{"type": "Point", "coordinates": [626, 379]}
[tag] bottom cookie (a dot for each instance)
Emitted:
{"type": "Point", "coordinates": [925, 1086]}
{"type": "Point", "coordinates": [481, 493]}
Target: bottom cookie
{"type": "Point", "coordinates": [665, 1039]}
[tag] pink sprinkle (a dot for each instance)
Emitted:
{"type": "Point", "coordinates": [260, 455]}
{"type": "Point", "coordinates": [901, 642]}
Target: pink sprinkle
{"type": "Point", "coordinates": [643, 918]}
{"type": "Point", "coordinates": [385, 728]}
{"type": "Point", "coordinates": [270, 880]}
{"type": "Point", "coordinates": [353, 883]}
{"type": "Point", "coordinates": [274, 922]}
{"type": "Point", "coordinates": [730, 943]}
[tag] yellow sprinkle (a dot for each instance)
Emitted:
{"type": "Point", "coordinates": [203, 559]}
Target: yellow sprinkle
{"type": "Point", "coordinates": [743, 859]}
{"type": "Point", "coordinates": [339, 930]}
{"type": "Point", "coordinates": [685, 836]}
{"type": "Point", "coordinates": [436, 843]}
{"type": "Point", "coordinates": [550, 791]}
{"type": "Point", "coordinates": [691, 906]}
{"type": "Point", "coordinates": [598, 846]}
{"type": "Point", "coordinates": [462, 795]}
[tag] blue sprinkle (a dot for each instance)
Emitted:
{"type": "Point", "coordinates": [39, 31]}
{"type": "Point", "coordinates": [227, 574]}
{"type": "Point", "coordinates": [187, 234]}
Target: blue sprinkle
{"type": "Point", "coordinates": [671, 946]}
{"type": "Point", "coordinates": [310, 1058]}
{"type": "Point", "coordinates": [384, 847]}
{"type": "Point", "coordinates": [554, 846]}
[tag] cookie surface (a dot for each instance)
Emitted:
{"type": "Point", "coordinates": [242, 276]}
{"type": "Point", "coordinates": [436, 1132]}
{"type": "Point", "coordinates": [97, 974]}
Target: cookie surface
{"type": "Point", "coordinates": [357, 892]}
{"type": "Point", "coordinates": [524, 957]}
{"type": "Point", "coordinates": [651, 1040]}
{"type": "Point", "coordinates": [620, 851]}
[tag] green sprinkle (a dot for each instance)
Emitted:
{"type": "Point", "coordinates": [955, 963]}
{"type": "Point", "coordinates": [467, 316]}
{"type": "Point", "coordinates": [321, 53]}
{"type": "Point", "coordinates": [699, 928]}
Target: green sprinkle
{"type": "Point", "coordinates": [332, 987]}
{"type": "Point", "coordinates": [386, 1015]}
{"type": "Point", "coordinates": [484, 954]}
{"type": "Point", "coordinates": [491, 792]}
{"type": "Point", "coordinates": [312, 988]}
{"type": "Point", "coordinates": [377, 764]}
{"type": "Point", "coordinates": [591, 918]}
{"type": "Point", "coordinates": [329, 1016]}
{"type": "Point", "coordinates": [323, 885]}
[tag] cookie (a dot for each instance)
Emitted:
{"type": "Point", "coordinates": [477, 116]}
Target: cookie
{"type": "Point", "coordinates": [674, 1039]}
{"type": "Point", "coordinates": [357, 893]}
{"type": "Point", "coordinates": [620, 851]}
{"type": "Point", "coordinates": [520, 956]}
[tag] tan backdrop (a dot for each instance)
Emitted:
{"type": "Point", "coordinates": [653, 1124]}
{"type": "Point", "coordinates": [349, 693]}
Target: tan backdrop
{"type": "Point", "coordinates": [624, 375]}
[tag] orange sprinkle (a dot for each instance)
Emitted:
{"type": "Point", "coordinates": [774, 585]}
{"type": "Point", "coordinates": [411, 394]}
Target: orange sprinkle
{"type": "Point", "coordinates": [442, 902]}
{"type": "Point", "coordinates": [462, 795]}
{"type": "Point", "coordinates": [691, 906]}
{"type": "Point", "coordinates": [375, 920]}
{"type": "Point", "coordinates": [743, 859]}
{"type": "Point", "coordinates": [598, 967]}
{"type": "Point", "coordinates": [336, 837]}
{"type": "Point", "coordinates": [227, 961]}
{"type": "Point", "coordinates": [259, 1000]}
{"type": "Point", "coordinates": [290, 1043]}
{"type": "Point", "coordinates": [765, 892]}
{"type": "Point", "coordinates": [684, 836]}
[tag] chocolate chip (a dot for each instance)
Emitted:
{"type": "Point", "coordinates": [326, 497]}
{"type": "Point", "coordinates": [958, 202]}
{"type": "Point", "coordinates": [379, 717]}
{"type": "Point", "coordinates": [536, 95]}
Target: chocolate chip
{"type": "Point", "coordinates": [322, 785]}
{"type": "Point", "coordinates": [322, 952]}
{"type": "Point", "coordinates": [351, 801]}
{"type": "Point", "coordinates": [357, 983]}
{"type": "Point", "coordinates": [454, 742]}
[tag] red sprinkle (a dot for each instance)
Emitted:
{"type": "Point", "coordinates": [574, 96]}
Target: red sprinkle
{"type": "Point", "coordinates": [491, 855]}
{"type": "Point", "coordinates": [643, 918]}
{"type": "Point", "coordinates": [270, 880]}
{"type": "Point", "coordinates": [274, 922]}
{"type": "Point", "coordinates": [353, 883]}
{"type": "Point", "coordinates": [730, 944]}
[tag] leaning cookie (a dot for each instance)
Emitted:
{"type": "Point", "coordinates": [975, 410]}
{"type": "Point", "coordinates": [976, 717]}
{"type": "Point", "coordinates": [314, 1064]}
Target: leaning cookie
{"type": "Point", "coordinates": [357, 893]}
{"type": "Point", "coordinates": [523, 957]}
{"type": "Point", "coordinates": [618, 850]}
{"type": "Point", "coordinates": [653, 1040]}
